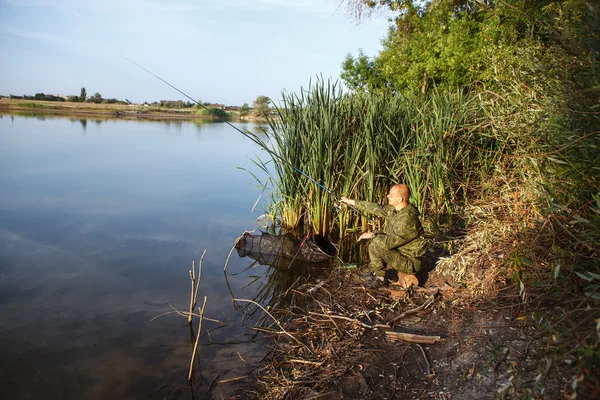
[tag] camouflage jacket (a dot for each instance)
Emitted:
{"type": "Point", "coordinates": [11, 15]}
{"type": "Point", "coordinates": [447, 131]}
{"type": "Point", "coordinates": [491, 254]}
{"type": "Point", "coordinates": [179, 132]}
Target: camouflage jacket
{"type": "Point", "coordinates": [402, 229]}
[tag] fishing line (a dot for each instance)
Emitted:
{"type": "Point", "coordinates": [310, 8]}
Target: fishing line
{"type": "Point", "coordinates": [335, 196]}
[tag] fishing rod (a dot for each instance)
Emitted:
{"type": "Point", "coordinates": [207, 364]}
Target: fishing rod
{"type": "Point", "coordinates": [334, 195]}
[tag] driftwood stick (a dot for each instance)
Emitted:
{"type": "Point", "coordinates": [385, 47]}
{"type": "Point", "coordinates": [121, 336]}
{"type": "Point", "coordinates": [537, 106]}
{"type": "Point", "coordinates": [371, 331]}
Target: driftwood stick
{"type": "Point", "coordinates": [412, 338]}
{"type": "Point", "coordinates": [414, 310]}
{"type": "Point", "coordinates": [197, 341]}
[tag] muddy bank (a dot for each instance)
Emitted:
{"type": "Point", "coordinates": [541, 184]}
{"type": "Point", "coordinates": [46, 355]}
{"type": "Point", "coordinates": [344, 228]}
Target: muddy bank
{"type": "Point", "coordinates": [340, 340]}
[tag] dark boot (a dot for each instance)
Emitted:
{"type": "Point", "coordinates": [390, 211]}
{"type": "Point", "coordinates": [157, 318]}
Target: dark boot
{"type": "Point", "coordinates": [391, 275]}
{"type": "Point", "coordinates": [372, 281]}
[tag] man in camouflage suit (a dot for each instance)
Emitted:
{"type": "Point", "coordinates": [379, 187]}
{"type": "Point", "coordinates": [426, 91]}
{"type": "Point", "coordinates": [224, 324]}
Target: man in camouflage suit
{"type": "Point", "coordinates": [401, 245]}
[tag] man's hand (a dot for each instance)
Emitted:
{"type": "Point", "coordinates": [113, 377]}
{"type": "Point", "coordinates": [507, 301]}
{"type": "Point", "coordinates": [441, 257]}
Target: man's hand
{"type": "Point", "coordinates": [366, 235]}
{"type": "Point", "coordinates": [347, 201]}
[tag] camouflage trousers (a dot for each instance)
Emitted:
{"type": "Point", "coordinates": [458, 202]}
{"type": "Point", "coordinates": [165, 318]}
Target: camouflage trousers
{"type": "Point", "coordinates": [382, 257]}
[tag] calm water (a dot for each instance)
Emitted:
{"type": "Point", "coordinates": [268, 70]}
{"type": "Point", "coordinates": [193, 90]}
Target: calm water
{"type": "Point", "coordinates": [99, 223]}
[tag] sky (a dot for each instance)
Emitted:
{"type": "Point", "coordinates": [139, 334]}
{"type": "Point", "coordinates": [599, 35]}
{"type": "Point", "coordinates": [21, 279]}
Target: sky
{"type": "Point", "coordinates": [218, 51]}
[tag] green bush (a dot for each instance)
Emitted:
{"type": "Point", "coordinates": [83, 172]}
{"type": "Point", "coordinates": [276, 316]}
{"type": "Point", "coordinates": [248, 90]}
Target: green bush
{"type": "Point", "coordinates": [211, 112]}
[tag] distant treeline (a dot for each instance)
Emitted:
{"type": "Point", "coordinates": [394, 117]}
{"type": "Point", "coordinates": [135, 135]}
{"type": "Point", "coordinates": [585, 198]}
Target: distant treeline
{"type": "Point", "coordinates": [39, 96]}
{"type": "Point", "coordinates": [97, 98]}
{"type": "Point", "coordinates": [175, 104]}
{"type": "Point", "coordinates": [260, 107]}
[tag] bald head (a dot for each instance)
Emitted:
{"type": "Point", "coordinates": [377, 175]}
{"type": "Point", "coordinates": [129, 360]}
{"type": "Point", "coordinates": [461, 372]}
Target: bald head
{"type": "Point", "coordinates": [398, 196]}
{"type": "Point", "coordinates": [402, 190]}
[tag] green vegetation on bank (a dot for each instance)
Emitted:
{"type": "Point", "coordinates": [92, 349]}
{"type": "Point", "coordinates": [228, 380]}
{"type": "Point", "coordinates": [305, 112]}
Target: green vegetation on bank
{"type": "Point", "coordinates": [490, 111]}
{"type": "Point", "coordinates": [36, 106]}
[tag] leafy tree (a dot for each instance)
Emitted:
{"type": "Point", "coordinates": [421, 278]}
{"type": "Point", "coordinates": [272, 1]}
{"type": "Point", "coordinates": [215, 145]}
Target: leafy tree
{"type": "Point", "coordinates": [244, 110]}
{"type": "Point", "coordinates": [361, 73]}
{"type": "Point", "coordinates": [453, 43]}
{"type": "Point", "coordinates": [82, 94]}
{"type": "Point", "coordinates": [96, 98]}
{"type": "Point", "coordinates": [46, 97]}
{"type": "Point", "coordinates": [261, 106]}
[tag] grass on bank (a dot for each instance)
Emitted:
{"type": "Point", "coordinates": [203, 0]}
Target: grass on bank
{"type": "Point", "coordinates": [35, 106]}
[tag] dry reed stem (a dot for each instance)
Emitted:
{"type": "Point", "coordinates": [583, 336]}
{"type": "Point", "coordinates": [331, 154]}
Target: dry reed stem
{"type": "Point", "coordinates": [353, 320]}
{"type": "Point", "coordinates": [195, 285]}
{"type": "Point", "coordinates": [316, 287]}
{"type": "Point", "coordinates": [199, 276]}
{"type": "Point", "coordinates": [186, 314]}
{"type": "Point", "coordinates": [276, 321]}
{"type": "Point", "coordinates": [238, 378]}
{"type": "Point", "coordinates": [236, 306]}
{"type": "Point", "coordinates": [193, 280]}
{"type": "Point", "coordinates": [379, 326]}
{"type": "Point", "coordinates": [213, 382]}
{"type": "Point", "coordinates": [414, 310]}
{"type": "Point", "coordinates": [197, 340]}
{"type": "Point", "coordinates": [305, 362]}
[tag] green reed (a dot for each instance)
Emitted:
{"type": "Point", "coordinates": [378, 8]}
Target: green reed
{"type": "Point", "coordinates": [358, 145]}
{"type": "Point", "coordinates": [444, 145]}
{"type": "Point", "coordinates": [35, 106]}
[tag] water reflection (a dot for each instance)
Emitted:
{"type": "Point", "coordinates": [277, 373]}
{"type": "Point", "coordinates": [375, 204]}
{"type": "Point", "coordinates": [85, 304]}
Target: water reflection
{"type": "Point", "coordinates": [97, 234]}
{"type": "Point", "coordinates": [290, 263]}
{"type": "Point", "coordinates": [177, 123]}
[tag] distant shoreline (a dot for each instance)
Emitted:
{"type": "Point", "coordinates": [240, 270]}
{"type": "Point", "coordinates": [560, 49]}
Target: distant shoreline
{"type": "Point", "coordinates": [110, 110]}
